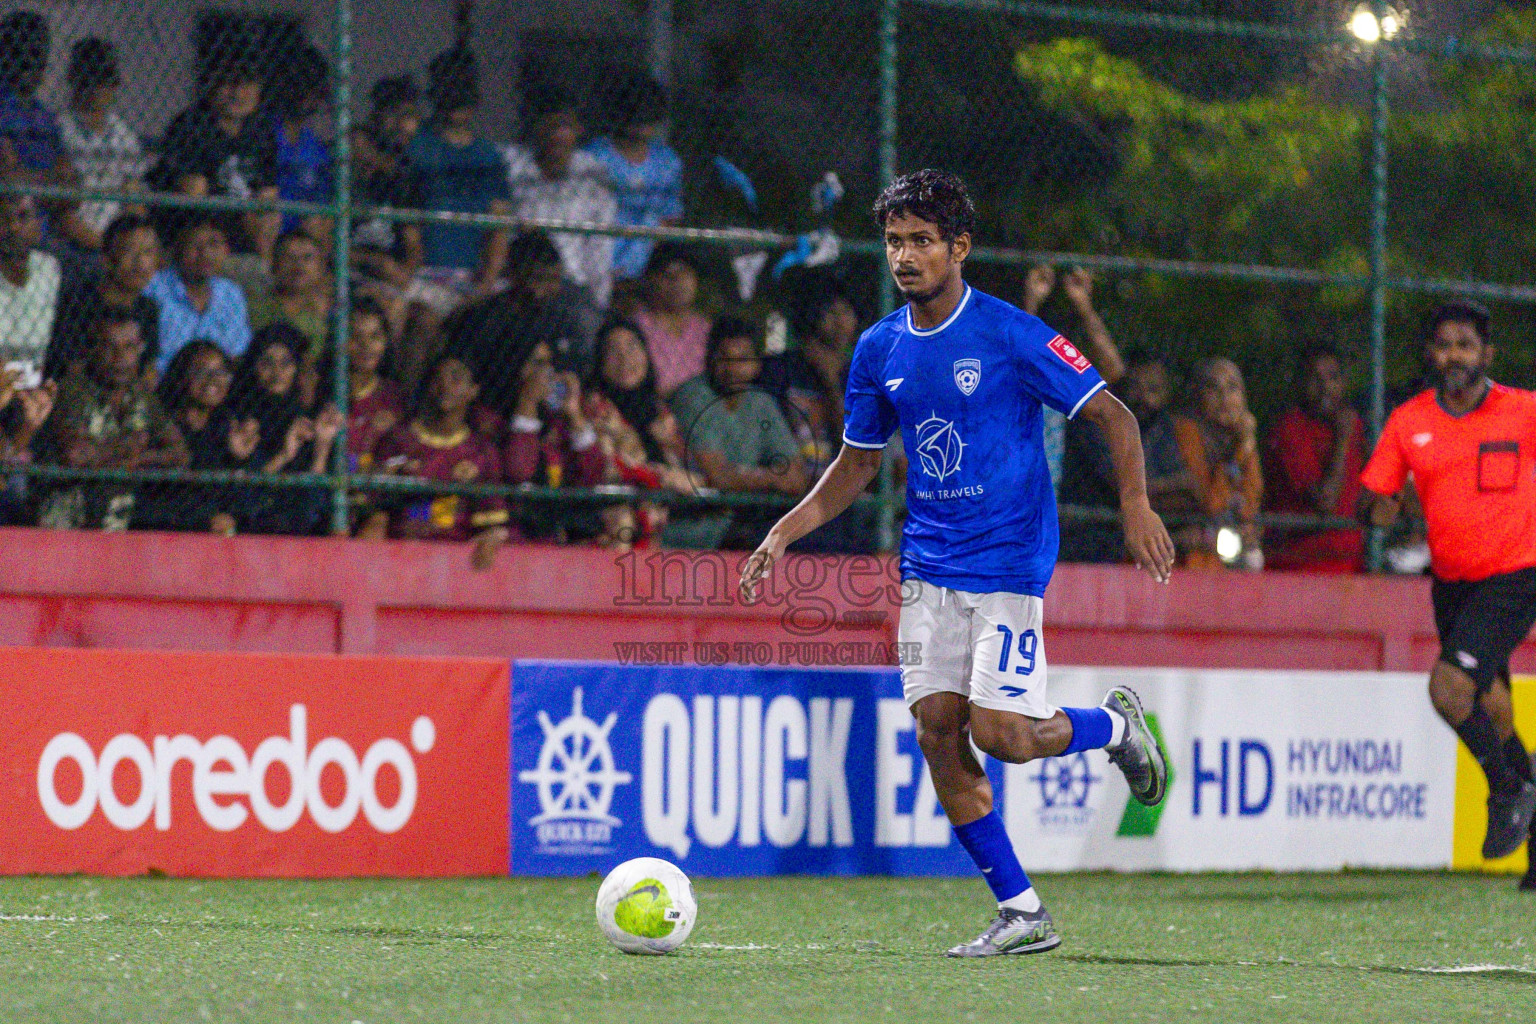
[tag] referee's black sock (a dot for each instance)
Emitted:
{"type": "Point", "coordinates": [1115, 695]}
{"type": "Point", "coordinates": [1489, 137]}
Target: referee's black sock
{"type": "Point", "coordinates": [1517, 756]}
{"type": "Point", "coordinates": [1482, 738]}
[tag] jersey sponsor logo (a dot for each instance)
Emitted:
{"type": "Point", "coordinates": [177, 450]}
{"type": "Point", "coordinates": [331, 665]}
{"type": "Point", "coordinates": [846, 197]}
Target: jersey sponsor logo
{"type": "Point", "coordinates": [967, 375]}
{"type": "Point", "coordinates": [1420, 440]}
{"type": "Point", "coordinates": [939, 447]}
{"type": "Point", "coordinates": [1069, 354]}
{"type": "Point", "coordinates": [894, 383]}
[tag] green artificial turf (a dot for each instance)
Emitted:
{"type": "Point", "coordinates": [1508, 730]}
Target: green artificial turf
{"type": "Point", "coordinates": [1354, 947]}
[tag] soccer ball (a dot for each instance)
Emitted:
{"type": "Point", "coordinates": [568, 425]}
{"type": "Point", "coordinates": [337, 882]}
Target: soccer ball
{"type": "Point", "coordinates": [646, 905]}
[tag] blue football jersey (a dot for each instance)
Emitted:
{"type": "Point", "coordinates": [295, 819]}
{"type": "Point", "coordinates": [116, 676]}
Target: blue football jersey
{"type": "Point", "coordinates": [981, 514]}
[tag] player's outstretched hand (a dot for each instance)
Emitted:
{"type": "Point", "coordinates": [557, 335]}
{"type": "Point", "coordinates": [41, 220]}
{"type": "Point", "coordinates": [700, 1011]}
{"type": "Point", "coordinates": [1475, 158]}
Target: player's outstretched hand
{"type": "Point", "coordinates": [759, 565]}
{"type": "Point", "coordinates": [1147, 541]}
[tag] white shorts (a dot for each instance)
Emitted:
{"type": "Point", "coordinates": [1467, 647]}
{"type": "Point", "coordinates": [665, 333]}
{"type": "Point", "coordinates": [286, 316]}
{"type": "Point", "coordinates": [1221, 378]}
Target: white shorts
{"type": "Point", "coordinates": [987, 647]}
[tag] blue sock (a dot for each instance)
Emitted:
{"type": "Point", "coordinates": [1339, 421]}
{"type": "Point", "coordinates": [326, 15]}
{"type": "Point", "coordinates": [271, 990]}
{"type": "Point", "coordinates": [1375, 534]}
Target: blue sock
{"type": "Point", "coordinates": [1091, 729]}
{"type": "Point", "coordinates": [987, 842]}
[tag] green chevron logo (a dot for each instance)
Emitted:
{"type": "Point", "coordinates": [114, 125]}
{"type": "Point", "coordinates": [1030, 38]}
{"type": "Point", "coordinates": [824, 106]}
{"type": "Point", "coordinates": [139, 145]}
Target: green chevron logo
{"type": "Point", "coordinates": [1139, 819]}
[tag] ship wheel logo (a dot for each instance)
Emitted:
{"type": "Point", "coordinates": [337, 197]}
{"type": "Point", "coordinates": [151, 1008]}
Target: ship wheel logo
{"type": "Point", "coordinates": [1065, 781]}
{"type": "Point", "coordinates": [575, 772]}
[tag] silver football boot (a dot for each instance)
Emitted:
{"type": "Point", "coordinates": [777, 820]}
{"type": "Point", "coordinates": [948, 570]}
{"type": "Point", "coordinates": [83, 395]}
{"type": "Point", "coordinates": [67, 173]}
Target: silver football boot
{"type": "Point", "coordinates": [1139, 756]}
{"type": "Point", "coordinates": [1012, 931]}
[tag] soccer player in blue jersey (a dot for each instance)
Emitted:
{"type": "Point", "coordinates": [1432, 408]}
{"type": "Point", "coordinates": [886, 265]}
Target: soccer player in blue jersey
{"type": "Point", "coordinates": [964, 375]}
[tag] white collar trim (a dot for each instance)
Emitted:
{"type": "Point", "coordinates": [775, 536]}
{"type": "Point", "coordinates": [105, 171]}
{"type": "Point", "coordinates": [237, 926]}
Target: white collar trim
{"type": "Point", "coordinates": [959, 308]}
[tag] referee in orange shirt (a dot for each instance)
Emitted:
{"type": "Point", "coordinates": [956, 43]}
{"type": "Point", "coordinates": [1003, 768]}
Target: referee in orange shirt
{"type": "Point", "coordinates": [1470, 445]}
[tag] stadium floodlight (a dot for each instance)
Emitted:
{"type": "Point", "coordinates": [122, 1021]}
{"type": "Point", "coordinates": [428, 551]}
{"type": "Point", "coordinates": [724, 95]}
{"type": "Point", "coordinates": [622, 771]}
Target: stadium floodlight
{"type": "Point", "coordinates": [1366, 27]}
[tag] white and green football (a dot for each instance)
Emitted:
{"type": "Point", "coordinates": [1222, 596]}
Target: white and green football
{"type": "Point", "coordinates": [646, 905]}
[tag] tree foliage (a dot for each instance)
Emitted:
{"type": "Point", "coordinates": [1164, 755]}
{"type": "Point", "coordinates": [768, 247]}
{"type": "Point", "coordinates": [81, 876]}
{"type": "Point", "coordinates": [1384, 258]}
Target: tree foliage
{"type": "Point", "coordinates": [1283, 177]}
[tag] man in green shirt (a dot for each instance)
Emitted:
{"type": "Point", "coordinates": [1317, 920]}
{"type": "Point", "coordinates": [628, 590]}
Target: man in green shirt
{"type": "Point", "coordinates": [736, 436]}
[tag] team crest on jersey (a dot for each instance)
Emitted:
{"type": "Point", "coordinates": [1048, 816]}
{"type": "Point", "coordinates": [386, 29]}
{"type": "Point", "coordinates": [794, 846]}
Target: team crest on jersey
{"type": "Point", "coordinates": [939, 447]}
{"type": "Point", "coordinates": [967, 375]}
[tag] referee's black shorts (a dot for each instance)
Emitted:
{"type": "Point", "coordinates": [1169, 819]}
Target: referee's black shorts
{"type": "Point", "coordinates": [1481, 622]}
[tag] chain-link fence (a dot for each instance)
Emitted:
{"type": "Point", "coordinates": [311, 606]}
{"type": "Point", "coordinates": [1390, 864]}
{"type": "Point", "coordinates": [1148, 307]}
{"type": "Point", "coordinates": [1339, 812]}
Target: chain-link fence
{"type": "Point", "coordinates": [592, 272]}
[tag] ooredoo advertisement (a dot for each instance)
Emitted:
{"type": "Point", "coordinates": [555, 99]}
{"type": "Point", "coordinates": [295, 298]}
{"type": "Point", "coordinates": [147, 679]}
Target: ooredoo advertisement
{"type": "Point", "coordinates": [118, 763]}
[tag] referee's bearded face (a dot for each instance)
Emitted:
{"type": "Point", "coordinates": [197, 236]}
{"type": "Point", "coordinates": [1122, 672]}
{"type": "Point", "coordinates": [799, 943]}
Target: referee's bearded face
{"type": "Point", "coordinates": [922, 261]}
{"type": "Point", "coordinates": [1459, 355]}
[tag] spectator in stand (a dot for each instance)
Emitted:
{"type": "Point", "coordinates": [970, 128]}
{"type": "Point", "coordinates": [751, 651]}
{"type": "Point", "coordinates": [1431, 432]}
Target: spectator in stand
{"type": "Point", "coordinates": [107, 418]}
{"type": "Point", "coordinates": [676, 333]}
{"type": "Point", "coordinates": [636, 434]}
{"type": "Point", "coordinates": [195, 300]}
{"type": "Point", "coordinates": [130, 252]}
{"type": "Point", "coordinates": [376, 403]}
{"type": "Point", "coordinates": [809, 379]}
{"type": "Point", "coordinates": [1315, 456]}
{"type": "Point", "coordinates": [550, 179]}
{"type": "Point", "coordinates": [31, 145]}
{"type": "Point", "coordinates": [643, 172]}
{"type": "Point", "coordinates": [300, 89]}
{"type": "Point", "coordinates": [1147, 389]}
{"type": "Point", "coordinates": [493, 336]}
{"type": "Point", "coordinates": [735, 435]}
{"type": "Point", "coordinates": [28, 129]}
{"type": "Point", "coordinates": [550, 441]}
{"type": "Point", "coordinates": [105, 152]}
{"type": "Point", "coordinates": [1092, 336]}
{"type": "Point", "coordinates": [29, 290]}
{"type": "Point", "coordinates": [462, 172]}
{"type": "Point", "coordinates": [274, 434]}
{"type": "Point", "coordinates": [22, 414]}
{"type": "Point", "coordinates": [384, 252]}
{"type": "Point", "coordinates": [635, 428]}
{"type": "Point", "coordinates": [195, 392]}
{"type": "Point", "coordinates": [438, 444]}
{"type": "Point", "coordinates": [301, 293]}
{"type": "Point", "coordinates": [222, 146]}
{"type": "Point", "coordinates": [1088, 476]}
{"type": "Point", "coordinates": [1218, 442]}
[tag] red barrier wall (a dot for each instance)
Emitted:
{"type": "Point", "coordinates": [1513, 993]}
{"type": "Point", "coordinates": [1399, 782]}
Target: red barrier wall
{"type": "Point", "coordinates": [68, 589]}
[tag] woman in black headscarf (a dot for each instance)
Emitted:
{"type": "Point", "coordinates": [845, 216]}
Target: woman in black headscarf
{"type": "Point", "coordinates": [634, 425]}
{"type": "Point", "coordinates": [636, 432]}
{"type": "Point", "coordinates": [273, 434]}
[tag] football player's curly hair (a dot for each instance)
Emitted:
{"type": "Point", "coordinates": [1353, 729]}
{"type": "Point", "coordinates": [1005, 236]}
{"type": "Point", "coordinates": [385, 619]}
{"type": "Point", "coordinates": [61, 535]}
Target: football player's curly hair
{"type": "Point", "coordinates": [932, 195]}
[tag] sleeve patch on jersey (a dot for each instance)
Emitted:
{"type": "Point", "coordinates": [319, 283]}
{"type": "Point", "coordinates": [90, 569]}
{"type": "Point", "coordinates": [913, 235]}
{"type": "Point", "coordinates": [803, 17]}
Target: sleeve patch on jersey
{"type": "Point", "coordinates": [1069, 354]}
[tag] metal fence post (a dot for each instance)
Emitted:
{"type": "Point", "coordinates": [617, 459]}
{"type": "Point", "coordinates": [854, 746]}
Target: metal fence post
{"type": "Point", "coordinates": [1378, 268]}
{"type": "Point", "coordinates": [342, 252]}
{"type": "Point", "coordinates": [659, 28]}
{"type": "Point", "coordinates": [890, 17]}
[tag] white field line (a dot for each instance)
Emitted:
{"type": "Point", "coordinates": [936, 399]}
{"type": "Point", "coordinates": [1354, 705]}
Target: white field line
{"type": "Point", "coordinates": [1474, 969]}
{"type": "Point", "coordinates": [54, 918]}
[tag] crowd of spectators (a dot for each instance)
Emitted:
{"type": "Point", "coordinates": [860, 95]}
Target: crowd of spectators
{"type": "Point", "coordinates": [1210, 469]}
{"type": "Point", "coordinates": [137, 336]}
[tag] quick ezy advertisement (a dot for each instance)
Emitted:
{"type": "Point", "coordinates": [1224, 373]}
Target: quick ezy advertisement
{"type": "Point", "coordinates": [746, 771]}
